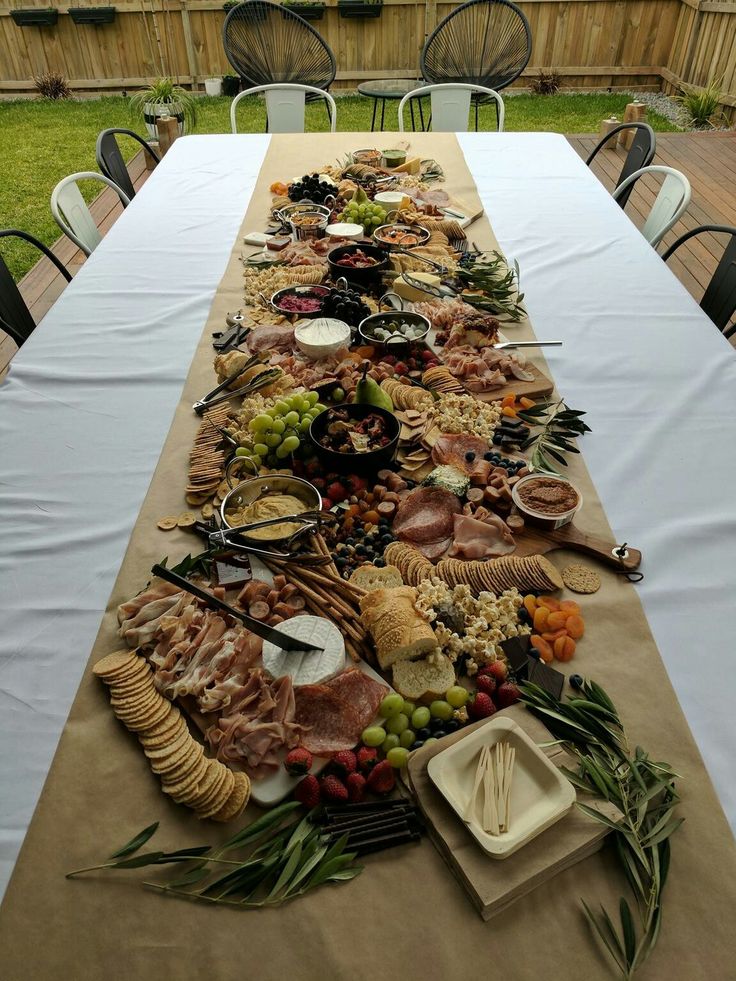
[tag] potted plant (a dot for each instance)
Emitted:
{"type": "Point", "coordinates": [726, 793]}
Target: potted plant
{"type": "Point", "coordinates": [306, 8]}
{"type": "Point", "coordinates": [46, 17]}
{"type": "Point", "coordinates": [92, 15]}
{"type": "Point", "coordinates": [164, 93]}
{"type": "Point", "coordinates": [359, 8]}
{"type": "Point", "coordinates": [230, 85]}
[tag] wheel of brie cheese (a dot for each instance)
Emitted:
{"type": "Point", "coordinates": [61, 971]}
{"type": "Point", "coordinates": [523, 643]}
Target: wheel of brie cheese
{"type": "Point", "coordinates": [306, 667]}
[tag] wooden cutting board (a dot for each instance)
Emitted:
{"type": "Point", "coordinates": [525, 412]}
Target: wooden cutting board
{"type": "Point", "coordinates": [540, 386]}
{"type": "Point", "coordinates": [538, 541]}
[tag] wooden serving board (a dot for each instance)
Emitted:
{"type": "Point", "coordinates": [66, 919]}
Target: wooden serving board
{"type": "Point", "coordinates": [538, 541]}
{"type": "Point", "coordinates": [540, 386]}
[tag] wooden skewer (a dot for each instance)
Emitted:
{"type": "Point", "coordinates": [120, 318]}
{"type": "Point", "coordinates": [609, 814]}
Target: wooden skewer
{"type": "Point", "coordinates": [476, 787]}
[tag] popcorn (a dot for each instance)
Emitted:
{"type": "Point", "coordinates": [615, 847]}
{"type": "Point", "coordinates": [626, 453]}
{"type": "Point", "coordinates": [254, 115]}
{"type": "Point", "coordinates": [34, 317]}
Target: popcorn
{"type": "Point", "coordinates": [489, 620]}
{"type": "Point", "coordinates": [467, 414]}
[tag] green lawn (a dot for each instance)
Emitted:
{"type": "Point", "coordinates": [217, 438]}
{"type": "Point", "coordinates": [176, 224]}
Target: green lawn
{"type": "Point", "coordinates": [42, 141]}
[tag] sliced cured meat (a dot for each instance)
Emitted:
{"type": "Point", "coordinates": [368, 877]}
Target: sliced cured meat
{"type": "Point", "coordinates": [335, 714]}
{"type": "Point", "coordinates": [476, 539]}
{"type": "Point", "coordinates": [271, 337]}
{"type": "Point", "coordinates": [434, 550]}
{"type": "Point", "coordinates": [360, 690]}
{"type": "Point", "coordinates": [483, 369]}
{"type": "Point", "coordinates": [465, 453]}
{"type": "Point", "coordinates": [425, 515]}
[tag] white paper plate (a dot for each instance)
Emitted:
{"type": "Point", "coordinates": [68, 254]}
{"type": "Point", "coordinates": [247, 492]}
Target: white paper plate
{"type": "Point", "coordinates": [540, 794]}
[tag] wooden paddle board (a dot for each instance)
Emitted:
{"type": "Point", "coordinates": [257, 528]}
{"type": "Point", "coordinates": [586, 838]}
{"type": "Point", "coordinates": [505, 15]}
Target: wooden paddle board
{"type": "Point", "coordinates": [538, 541]}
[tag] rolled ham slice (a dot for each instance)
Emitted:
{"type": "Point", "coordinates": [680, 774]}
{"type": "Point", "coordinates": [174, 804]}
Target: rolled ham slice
{"type": "Point", "coordinates": [474, 539]}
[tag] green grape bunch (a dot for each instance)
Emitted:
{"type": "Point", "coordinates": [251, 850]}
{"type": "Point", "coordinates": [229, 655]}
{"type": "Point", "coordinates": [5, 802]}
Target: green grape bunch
{"type": "Point", "coordinates": [369, 215]}
{"type": "Point", "coordinates": [278, 432]}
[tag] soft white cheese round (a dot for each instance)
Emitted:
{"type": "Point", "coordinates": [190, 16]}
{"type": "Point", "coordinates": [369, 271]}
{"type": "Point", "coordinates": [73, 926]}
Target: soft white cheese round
{"type": "Point", "coordinates": [322, 336]}
{"type": "Point", "coordinates": [307, 667]}
{"type": "Point", "coordinates": [345, 229]}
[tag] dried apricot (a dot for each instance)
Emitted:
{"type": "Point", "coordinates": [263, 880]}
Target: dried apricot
{"type": "Point", "coordinates": [569, 606]}
{"type": "Point", "coordinates": [575, 626]}
{"type": "Point", "coordinates": [564, 648]}
{"type": "Point", "coordinates": [508, 400]}
{"type": "Point", "coordinates": [372, 517]}
{"type": "Point", "coordinates": [550, 602]}
{"type": "Point", "coordinates": [509, 412]}
{"type": "Point", "coordinates": [552, 636]}
{"type": "Point", "coordinates": [545, 649]}
{"type": "Point", "coordinates": [540, 618]}
{"type": "Point", "coordinates": [557, 620]}
{"type": "Point", "coordinates": [526, 403]}
{"type": "Point", "coordinates": [530, 602]}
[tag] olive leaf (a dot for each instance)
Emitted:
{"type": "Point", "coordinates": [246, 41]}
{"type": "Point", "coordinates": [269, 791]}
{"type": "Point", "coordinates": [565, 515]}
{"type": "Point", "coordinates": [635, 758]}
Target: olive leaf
{"type": "Point", "coordinates": [488, 283]}
{"type": "Point", "coordinates": [281, 859]}
{"type": "Point", "coordinates": [557, 426]}
{"type": "Point", "coordinates": [590, 729]}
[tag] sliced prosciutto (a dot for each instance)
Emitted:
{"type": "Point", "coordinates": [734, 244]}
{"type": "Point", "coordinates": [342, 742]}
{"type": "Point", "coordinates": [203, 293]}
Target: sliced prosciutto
{"type": "Point", "coordinates": [474, 539]}
{"type": "Point", "coordinates": [465, 453]}
{"type": "Point", "coordinates": [334, 714]}
{"type": "Point", "coordinates": [424, 519]}
{"type": "Point", "coordinates": [271, 337]}
{"type": "Point", "coordinates": [257, 725]}
{"type": "Point", "coordinates": [484, 369]}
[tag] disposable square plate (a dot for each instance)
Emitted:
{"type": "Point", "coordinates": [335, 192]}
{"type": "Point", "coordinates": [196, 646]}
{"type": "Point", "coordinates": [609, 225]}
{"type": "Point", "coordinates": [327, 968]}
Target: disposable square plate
{"type": "Point", "coordinates": [540, 794]}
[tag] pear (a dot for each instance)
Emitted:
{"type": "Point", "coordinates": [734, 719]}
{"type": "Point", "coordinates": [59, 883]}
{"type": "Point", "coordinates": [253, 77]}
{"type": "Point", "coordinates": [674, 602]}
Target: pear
{"type": "Point", "coordinates": [369, 392]}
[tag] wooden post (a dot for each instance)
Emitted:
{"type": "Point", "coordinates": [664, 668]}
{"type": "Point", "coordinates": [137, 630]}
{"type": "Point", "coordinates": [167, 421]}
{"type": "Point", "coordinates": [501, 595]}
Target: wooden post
{"type": "Point", "coordinates": [189, 43]}
{"type": "Point", "coordinates": [167, 128]}
{"type": "Point", "coordinates": [606, 126]}
{"type": "Point", "coordinates": [635, 112]}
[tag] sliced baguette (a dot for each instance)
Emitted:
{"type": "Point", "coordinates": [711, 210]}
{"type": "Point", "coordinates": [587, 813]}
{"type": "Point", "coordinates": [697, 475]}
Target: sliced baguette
{"type": "Point", "coordinates": [424, 680]}
{"type": "Point", "coordinates": [370, 577]}
{"type": "Point", "coordinates": [399, 631]}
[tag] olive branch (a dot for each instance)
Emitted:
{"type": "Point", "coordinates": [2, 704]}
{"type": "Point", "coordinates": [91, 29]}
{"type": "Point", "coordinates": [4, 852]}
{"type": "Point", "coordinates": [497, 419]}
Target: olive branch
{"type": "Point", "coordinates": [559, 425]}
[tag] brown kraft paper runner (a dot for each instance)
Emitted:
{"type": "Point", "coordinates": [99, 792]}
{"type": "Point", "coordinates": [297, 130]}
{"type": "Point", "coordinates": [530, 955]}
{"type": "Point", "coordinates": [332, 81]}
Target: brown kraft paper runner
{"type": "Point", "coordinates": [405, 914]}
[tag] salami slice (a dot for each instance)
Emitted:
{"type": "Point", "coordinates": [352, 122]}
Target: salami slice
{"type": "Point", "coordinates": [454, 449]}
{"type": "Point", "coordinates": [425, 515]}
{"type": "Point", "coordinates": [336, 713]}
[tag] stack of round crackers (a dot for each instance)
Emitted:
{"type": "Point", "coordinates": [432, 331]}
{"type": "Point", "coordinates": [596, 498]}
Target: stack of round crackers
{"type": "Point", "coordinates": [534, 573]}
{"type": "Point", "coordinates": [406, 396]}
{"type": "Point", "coordinates": [209, 787]}
{"type": "Point", "coordinates": [440, 379]}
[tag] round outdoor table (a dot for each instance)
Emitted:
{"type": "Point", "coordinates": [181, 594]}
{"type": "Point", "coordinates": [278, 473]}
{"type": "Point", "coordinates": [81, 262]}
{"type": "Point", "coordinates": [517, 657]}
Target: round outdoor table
{"type": "Point", "coordinates": [390, 88]}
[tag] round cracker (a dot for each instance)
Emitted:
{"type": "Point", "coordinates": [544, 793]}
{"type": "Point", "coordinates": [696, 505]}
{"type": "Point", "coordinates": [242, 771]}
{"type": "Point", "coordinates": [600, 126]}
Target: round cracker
{"type": "Point", "coordinates": [221, 798]}
{"type": "Point", "coordinates": [581, 579]}
{"type": "Point", "coordinates": [175, 761]}
{"type": "Point", "coordinates": [111, 664]}
{"type": "Point", "coordinates": [207, 783]}
{"type": "Point", "coordinates": [156, 714]}
{"type": "Point", "coordinates": [237, 800]}
{"type": "Point", "coordinates": [159, 753]}
{"type": "Point", "coordinates": [164, 725]}
{"type": "Point", "coordinates": [164, 736]}
{"type": "Point", "coordinates": [206, 798]}
{"type": "Point", "coordinates": [168, 522]}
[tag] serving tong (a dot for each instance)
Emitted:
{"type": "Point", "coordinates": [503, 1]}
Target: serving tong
{"type": "Point", "coordinates": [257, 627]}
{"type": "Point", "coordinates": [236, 333]}
{"type": "Point", "coordinates": [214, 397]}
{"type": "Point", "coordinates": [310, 520]}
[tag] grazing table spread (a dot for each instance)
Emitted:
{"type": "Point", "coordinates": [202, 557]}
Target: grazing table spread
{"type": "Point", "coordinates": [444, 562]}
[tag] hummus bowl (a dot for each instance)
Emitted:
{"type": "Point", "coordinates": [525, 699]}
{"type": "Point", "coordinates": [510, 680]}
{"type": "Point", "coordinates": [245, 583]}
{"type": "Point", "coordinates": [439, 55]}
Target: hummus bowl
{"type": "Point", "coordinates": [259, 490]}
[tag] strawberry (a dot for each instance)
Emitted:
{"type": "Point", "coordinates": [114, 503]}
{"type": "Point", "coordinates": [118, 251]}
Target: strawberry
{"type": "Point", "coordinates": [345, 762]}
{"type": "Point", "coordinates": [381, 779]}
{"type": "Point", "coordinates": [367, 758]}
{"type": "Point", "coordinates": [486, 683]}
{"type": "Point", "coordinates": [481, 706]}
{"type": "Point", "coordinates": [356, 483]}
{"type": "Point", "coordinates": [333, 790]}
{"type": "Point", "coordinates": [337, 492]}
{"type": "Point", "coordinates": [507, 694]}
{"type": "Point", "coordinates": [356, 783]}
{"type": "Point", "coordinates": [427, 355]}
{"type": "Point", "coordinates": [298, 762]}
{"type": "Point", "coordinates": [497, 670]}
{"type": "Point", "coordinates": [401, 368]}
{"type": "Point", "coordinates": [307, 791]}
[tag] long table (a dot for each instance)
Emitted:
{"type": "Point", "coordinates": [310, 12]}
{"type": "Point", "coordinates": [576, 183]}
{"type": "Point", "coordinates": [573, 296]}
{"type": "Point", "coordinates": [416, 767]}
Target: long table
{"type": "Point", "coordinates": [88, 401]}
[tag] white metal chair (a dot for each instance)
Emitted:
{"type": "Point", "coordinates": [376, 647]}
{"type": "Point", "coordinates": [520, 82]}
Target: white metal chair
{"type": "Point", "coordinates": [72, 214]}
{"type": "Point", "coordinates": [285, 106]}
{"type": "Point", "coordinates": [450, 104]}
{"type": "Point", "coordinates": [670, 205]}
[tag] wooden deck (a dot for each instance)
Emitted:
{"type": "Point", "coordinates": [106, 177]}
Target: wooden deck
{"type": "Point", "coordinates": [707, 159]}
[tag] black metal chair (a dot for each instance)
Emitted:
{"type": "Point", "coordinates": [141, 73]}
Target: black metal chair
{"type": "Point", "coordinates": [268, 43]}
{"type": "Point", "coordinates": [110, 159]}
{"type": "Point", "coordinates": [483, 42]}
{"type": "Point", "coordinates": [15, 317]}
{"type": "Point", "coordinates": [640, 155]}
{"type": "Point", "coordinates": [719, 299]}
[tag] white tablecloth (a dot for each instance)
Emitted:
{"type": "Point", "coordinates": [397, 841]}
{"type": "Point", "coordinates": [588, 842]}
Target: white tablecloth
{"type": "Point", "coordinates": [89, 400]}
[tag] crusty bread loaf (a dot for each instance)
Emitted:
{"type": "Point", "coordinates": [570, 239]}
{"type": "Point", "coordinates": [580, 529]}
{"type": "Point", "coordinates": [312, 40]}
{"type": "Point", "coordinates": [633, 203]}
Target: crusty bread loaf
{"type": "Point", "coordinates": [372, 577]}
{"type": "Point", "coordinates": [398, 629]}
{"type": "Point", "coordinates": [424, 680]}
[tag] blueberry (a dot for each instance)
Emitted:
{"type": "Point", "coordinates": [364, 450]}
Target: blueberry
{"type": "Point", "coordinates": [418, 744]}
{"type": "Point", "coordinates": [379, 563]}
{"type": "Point", "coordinates": [576, 681]}
{"type": "Point", "coordinates": [360, 550]}
{"type": "Point", "coordinates": [341, 561]}
{"type": "Point", "coordinates": [470, 456]}
{"type": "Point", "coordinates": [383, 522]}
{"type": "Point", "coordinates": [452, 725]}
{"type": "Point", "coordinates": [488, 457]}
{"type": "Point", "coordinates": [359, 532]}
{"type": "Point", "coordinates": [436, 724]}
{"type": "Point", "coordinates": [386, 539]}
{"type": "Point", "coordinates": [496, 439]}
{"type": "Point", "coordinates": [523, 615]}
{"type": "Point", "coordinates": [440, 733]}
{"type": "Point", "coordinates": [533, 652]}
{"type": "Point", "coordinates": [350, 541]}
{"type": "Point", "coordinates": [424, 733]}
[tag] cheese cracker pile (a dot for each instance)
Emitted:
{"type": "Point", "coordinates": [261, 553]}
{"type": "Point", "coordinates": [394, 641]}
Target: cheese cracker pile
{"type": "Point", "coordinates": [209, 787]}
{"type": "Point", "coordinates": [531, 574]}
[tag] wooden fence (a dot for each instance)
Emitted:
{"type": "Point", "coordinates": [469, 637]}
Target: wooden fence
{"type": "Point", "coordinates": [594, 44]}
